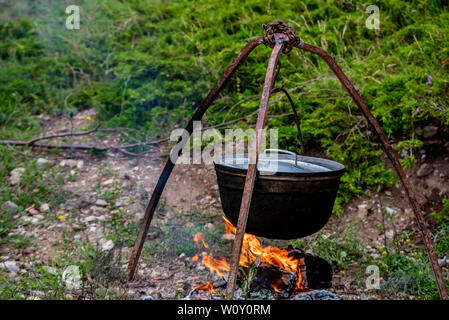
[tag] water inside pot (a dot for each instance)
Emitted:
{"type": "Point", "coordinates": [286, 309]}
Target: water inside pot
{"type": "Point", "coordinates": [273, 163]}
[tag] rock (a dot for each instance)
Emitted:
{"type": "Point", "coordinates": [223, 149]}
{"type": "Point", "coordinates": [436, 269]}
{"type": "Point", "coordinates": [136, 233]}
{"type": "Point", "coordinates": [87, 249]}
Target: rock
{"type": "Point", "coordinates": [31, 220]}
{"type": "Point", "coordinates": [90, 219]}
{"type": "Point", "coordinates": [228, 237]}
{"type": "Point", "coordinates": [82, 202]}
{"type": "Point", "coordinates": [209, 227]}
{"type": "Point", "coordinates": [107, 182]}
{"type": "Point", "coordinates": [316, 295]}
{"type": "Point", "coordinates": [424, 170]}
{"type": "Point", "coordinates": [430, 132]}
{"type": "Point", "coordinates": [365, 209]}
{"type": "Point", "coordinates": [10, 207]}
{"type": "Point", "coordinates": [101, 203]}
{"type": "Point", "coordinates": [42, 162]}
{"type": "Point", "coordinates": [443, 262]}
{"type": "Point", "coordinates": [50, 270]}
{"type": "Point", "coordinates": [68, 163]}
{"type": "Point", "coordinates": [182, 256]}
{"type": "Point", "coordinates": [80, 164]}
{"type": "Point", "coordinates": [389, 234]}
{"type": "Point", "coordinates": [38, 293]}
{"type": "Point", "coordinates": [16, 176]}
{"type": "Point", "coordinates": [118, 203]}
{"type": "Point", "coordinates": [10, 266]}
{"type": "Point", "coordinates": [45, 207]}
{"type": "Point", "coordinates": [108, 245]}
{"type": "Point", "coordinates": [146, 298]}
{"type": "Point", "coordinates": [362, 210]}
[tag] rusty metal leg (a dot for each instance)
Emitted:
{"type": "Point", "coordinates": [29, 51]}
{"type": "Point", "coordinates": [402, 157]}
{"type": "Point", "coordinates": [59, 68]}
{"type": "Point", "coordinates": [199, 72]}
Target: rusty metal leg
{"type": "Point", "coordinates": [392, 155]}
{"type": "Point", "coordinates": [252, 166]}
{"type": "Point", "coordinates": [169, 165]}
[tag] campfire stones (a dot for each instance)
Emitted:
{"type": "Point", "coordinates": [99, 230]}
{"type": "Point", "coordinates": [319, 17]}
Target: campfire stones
{"type": "Point", "coordinates": [315, 295]}
{"type": "Point", "coordinates": [309, 295]}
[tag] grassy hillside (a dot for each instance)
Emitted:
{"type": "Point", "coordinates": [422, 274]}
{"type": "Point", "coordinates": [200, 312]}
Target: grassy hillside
{"type": "Point", "coordinates": [147, 64]}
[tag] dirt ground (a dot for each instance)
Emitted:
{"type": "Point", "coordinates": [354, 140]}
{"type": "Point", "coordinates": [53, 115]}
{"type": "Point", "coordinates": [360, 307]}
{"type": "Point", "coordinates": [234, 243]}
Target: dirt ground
{"type": "Point", "coordinates": [191, 187]}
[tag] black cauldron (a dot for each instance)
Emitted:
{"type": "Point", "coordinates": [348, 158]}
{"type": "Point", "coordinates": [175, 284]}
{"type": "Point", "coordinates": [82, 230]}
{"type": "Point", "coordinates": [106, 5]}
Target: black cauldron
{"type": "Point", "coordinates": [293, 195]}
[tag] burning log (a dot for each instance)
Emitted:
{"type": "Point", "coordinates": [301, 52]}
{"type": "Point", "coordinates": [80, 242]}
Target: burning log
{"type": "Point", "coordinates": [316, 273]}
{"type": "Point", "coordinates": [319, 272]}
{"type": "Point", "coordinates": [271, 277]}
{"type": "Point", "coordinates": [273, 282]}
{"type": "Point", "coordinates": [282, 272]}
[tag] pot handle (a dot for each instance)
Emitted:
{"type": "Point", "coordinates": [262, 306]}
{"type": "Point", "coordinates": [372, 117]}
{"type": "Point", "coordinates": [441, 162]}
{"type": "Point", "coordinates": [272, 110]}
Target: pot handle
{"type": "Point", "coordinates": [283, 151]}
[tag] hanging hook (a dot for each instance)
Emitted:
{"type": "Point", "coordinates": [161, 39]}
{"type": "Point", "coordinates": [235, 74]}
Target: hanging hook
{"type": "Point", "coordinates": [295, 115]}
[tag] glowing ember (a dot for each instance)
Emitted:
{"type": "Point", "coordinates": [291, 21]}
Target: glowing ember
{"type": "Point", "coordinates": [275, 285]}
{"type": "Point", "coordinates": [251, 250]}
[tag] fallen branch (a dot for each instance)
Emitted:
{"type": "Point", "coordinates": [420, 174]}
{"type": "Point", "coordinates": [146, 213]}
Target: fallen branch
{"type": "Point", "coordinates": [60, 135]}
{"type": "Point", "coordinates": [121, 149]}
{"type": "Point", "coordinates": [124, 148]}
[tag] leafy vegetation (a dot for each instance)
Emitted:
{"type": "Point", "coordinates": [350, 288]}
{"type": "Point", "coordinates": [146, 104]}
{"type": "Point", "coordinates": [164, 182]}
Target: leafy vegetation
{"type": "Point", "coordinates": [147, 64]}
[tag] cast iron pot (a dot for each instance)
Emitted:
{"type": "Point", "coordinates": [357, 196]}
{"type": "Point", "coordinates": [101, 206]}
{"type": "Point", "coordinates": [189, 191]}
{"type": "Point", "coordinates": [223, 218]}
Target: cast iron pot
{"type": "Point", "coordinates": [293, 195]}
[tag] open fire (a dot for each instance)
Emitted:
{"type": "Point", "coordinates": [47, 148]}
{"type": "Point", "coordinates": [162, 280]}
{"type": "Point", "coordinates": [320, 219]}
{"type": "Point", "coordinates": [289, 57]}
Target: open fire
{"type": "Point", "coordinates": [253, 250]}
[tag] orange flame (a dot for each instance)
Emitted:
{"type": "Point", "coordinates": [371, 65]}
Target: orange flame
{"type": "Point", "coordinates": [220, 266]}
{"type": "Point", "coordinates": [275, 285]}
{"type": "Point", "coordinates": [251, 250]}
{"type": "Point", "coordinates": [206, 287]}
{"type": "Point", "coordinates": [200, 237]}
